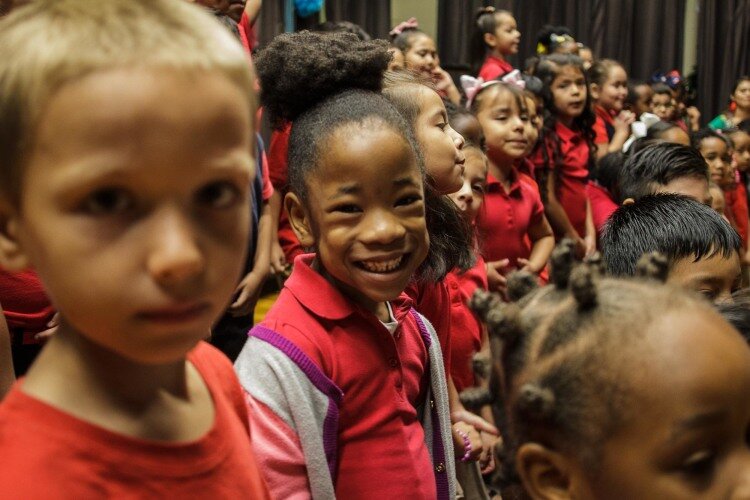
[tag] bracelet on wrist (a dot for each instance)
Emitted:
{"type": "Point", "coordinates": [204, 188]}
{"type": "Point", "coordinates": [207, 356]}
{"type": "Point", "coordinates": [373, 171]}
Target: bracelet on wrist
{"type": "Point", "coordinates": [467, 445]}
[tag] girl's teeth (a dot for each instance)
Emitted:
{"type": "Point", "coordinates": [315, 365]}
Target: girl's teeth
{"type": "Point", "coordinates": [382, 267]}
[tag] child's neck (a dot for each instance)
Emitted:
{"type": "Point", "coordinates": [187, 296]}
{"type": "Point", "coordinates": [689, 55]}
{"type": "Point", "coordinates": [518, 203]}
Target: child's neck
{"type": "Point", "coordinates": [741, 114]}
{"type": "Point", "coordinates": [502, 170]}
{"type": "Point", "coordinates": [102, 387]}
{"type": "Point", "coordinates": [498, 54]}
{"type": "Point", "coordinates": [568, 121]}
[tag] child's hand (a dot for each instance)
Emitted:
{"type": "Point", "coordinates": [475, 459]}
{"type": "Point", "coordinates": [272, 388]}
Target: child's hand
{"type": "Point", "coordinates": [247, 294]}
{"type": "Point", "coordinates": [525, 265]}
{"type": "Point", "coordinates": [495, 280]}
{"type": "Point", "coordinates": [488, 442]}
{"type": "Point", "coordinates": [51, 328]}
{"type": "Point", "coordinates": [279, 264]}
{"type": "Point", "coordinates": [694, 116]}
{"type": "Point", "coordinates": [478, 452]}
{"type": "Point", "coordinates": [624, 120]}
{"type": "Point", "coordinates": [444, 84]}
{"type": "Point", "coordinates": [590, 245]}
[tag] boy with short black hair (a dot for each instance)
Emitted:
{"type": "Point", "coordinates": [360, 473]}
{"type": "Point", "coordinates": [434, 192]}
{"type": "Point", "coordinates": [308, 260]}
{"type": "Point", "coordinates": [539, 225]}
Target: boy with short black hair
{"type": "Point", "coordinates": [702, 248]}
{"type": "Point", "coordinates": [665, 168]}
{"type": "Point", "coordinates": [126, 159]}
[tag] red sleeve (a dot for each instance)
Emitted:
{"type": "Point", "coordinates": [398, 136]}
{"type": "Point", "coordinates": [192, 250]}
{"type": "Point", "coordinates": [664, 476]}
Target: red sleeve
{"type": "Point", "coordinates": [600, 132]}
{"type": "Point", "coordinates": [277, 157]}
{"type": "Point", "coordinates": [267, 186]}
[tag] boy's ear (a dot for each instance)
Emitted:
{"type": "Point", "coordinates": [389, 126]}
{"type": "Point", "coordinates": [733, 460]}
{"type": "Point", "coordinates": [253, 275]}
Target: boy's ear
{"type": "Point", "coordinates": [299, 219]}
{"type": "Point", "coordinates": [546, 473]}
{"type": "Point", "coordinates": [12, 255]}
{"type": "Point", "coordinates": [490, 39]}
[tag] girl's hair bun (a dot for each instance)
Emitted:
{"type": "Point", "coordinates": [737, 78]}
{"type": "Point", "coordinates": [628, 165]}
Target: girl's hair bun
{"type": "Point", "coordinates": [299, 70]}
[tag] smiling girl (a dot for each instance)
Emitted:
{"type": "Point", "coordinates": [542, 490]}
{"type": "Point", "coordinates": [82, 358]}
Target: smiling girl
{"type": "Point", "coordinates": [342, 369]}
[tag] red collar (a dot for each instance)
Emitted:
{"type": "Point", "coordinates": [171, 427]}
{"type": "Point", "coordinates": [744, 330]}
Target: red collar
{"type": "Point", "coordinates": [567, 134]}
{"type": "Point", "coordinates": [323, 299]}
{"type": "Point", "coordinates": [492, 181]}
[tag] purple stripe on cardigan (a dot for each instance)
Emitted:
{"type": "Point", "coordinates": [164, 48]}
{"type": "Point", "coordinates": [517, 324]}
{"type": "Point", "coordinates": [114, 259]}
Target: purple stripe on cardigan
{"type": "Point", "coordinates": [319, 380]}
{"type": "Point", "coordinates": [438, 451]}
{"type": "Point", "coordinates": [422, 329]}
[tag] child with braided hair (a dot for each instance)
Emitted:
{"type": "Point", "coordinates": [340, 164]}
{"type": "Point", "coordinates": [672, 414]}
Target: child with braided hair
{"type": "Point", "coordinates": [580, 422]}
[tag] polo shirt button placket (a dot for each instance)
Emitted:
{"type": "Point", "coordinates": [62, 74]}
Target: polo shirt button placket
{"type": "Point", "coordinates": [393, 363]}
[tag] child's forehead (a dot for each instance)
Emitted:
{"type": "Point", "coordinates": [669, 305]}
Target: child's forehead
{"type": "Point", "coordinates": [713, 143]}
{"type": "Point", "coordinates": [568, 71]}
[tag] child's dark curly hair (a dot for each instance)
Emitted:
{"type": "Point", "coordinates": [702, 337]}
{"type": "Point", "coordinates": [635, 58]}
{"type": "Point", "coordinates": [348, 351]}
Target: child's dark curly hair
{"type": "Point", "coordinates": [559, 357]}
{"type": "Point", "coordinates": [549, 142]}
{"type": "Point", "coordinates": [298, 70]}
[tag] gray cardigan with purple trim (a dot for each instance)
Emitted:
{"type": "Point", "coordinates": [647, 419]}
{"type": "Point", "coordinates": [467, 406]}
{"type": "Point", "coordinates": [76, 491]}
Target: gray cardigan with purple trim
{"type": "Point", "coordinates": [278, 374]}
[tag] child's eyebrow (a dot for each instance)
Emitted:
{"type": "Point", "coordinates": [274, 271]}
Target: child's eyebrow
{"type": "Point", "coordinates": [405, 181]}
{"type": "Point", "coordinates": [352, 188]}
{"type": "Point", "coordinates": [697, 421]}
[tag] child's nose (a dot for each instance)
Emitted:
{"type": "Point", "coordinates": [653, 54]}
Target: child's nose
{"type": "Point", "coordinates": [382, 227]}
{"type": "Point", "coordinates": [458, 139]}
{"type": "Point", "coordinates": [175, 255]}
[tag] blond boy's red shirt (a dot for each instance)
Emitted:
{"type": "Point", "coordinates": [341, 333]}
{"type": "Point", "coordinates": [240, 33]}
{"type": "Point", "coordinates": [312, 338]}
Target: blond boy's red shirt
{"type": "Point", "coordinates": [50, 454]}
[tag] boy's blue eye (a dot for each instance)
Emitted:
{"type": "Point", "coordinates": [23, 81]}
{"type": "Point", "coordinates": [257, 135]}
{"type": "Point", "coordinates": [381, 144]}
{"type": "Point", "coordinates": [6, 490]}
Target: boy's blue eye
{"type": "Point", "coordinates": [221, 194]}
{"type": "Point", "coordinates": [108, 201]}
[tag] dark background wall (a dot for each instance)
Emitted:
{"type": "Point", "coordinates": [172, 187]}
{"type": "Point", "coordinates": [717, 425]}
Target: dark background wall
{"type": "Point", "coordinates": [645, 35]}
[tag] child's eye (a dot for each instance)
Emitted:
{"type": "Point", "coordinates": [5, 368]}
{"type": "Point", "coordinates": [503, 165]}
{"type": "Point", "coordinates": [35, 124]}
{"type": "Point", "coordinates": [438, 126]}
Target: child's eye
{"type": "Point", "coordinates": [479, 188]}
{"type": "Point", "coordinates": [408, 200]}
{"type": "Point", "coordinates": [442, 125]}
{"type": "Point", "coordinates": [501, 118]}
{"type": "Point", "coordinates": [710, 294]}
{"type": "Point", "coordinates": [699, 465]}
{"type": "Point", "coordinates": [346, 208]}
{"type": "Point", "coordinates": [108, 201]}
{"type": "Point", "coordinates": [220, 194]}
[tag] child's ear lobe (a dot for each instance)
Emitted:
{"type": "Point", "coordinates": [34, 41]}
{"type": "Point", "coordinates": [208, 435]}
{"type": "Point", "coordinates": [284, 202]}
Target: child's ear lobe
{"type": "Point", "coordinates": [546, 473]}
{"type": "Point", "coordinates": [490, 39]}
{"type": "Point", "coordinates": [12, 255]}
{"type": "Point", "coordinates": [299, 219]}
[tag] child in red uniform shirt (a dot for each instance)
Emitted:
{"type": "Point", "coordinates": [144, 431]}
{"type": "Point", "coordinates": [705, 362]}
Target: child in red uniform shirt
{"type": "Point", "coordinates": [513, 230]}
{"type": "Point", "coordinates": [717, 151]}
{"type": "Point", "coordinates": [609, 87]}
{"type": "Point", "coordinates": [420, 56]}
{"type": "Point", "coordinates": [132, 204]}
{"type": "Point", "coordinates": [565, 151]}
{"type": "Point", "coordinates": [358, 373]}
{"type": "Point", "coordinates": [495, 38]}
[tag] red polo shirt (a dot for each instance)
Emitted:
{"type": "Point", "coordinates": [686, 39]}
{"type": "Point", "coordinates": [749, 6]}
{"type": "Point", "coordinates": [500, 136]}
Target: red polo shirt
{"type": "Point", "coordinates": [381, 449]}
{"type": "Point", "coordinates": [737, 211]}
{"type": "Point", "coordinates": [504, 219]}
{"type": "Point", "coordinates": [493, 68]}
{"type": "Point", "coordinates": [570, 185]}
{"type": "Point", "coordinates": [602, 204]}
{"type": "Point", "coordinates": [433, 301]}
{"type": "Point", "coordinates": [604, 127]}
{"type": "Point", "coordinates": [467, 330]}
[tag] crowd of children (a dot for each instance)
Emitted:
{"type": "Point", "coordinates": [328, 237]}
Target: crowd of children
{"type": "Point", "coordinates": [469, 272]}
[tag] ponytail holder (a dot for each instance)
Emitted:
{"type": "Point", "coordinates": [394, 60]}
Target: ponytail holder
{"type": "Point", "coordinates": [640, 129]}
{"type": "Point", "coordinates": [410, 23]}
{"type": "Point", "coordinates": [485, 10]}
{"type": "Point", "coordinates": [540, 48]}
{"type": "Point", "coordinates": [514, 78]}
{"type": "Point", "coordinates": [559, 39]}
